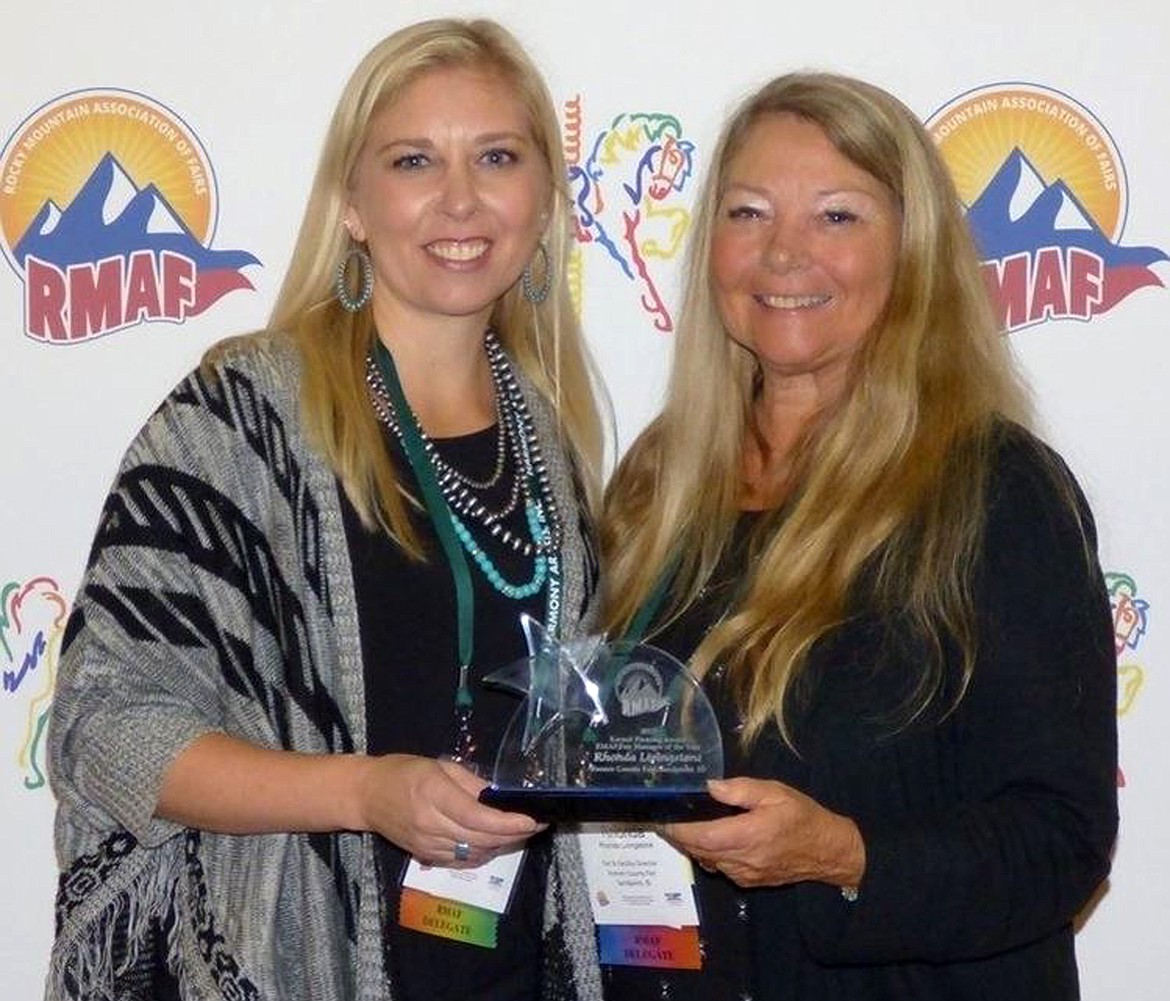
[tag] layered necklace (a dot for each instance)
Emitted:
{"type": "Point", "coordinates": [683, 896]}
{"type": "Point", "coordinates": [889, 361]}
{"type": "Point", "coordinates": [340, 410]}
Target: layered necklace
{"type": "Point", "coordinates": [451, 500]}
{"type": "Point", "coordinates": [466, 497]}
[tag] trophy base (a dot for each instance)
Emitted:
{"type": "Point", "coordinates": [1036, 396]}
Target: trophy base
{"type": "Point", "coordinates": [650, 806]}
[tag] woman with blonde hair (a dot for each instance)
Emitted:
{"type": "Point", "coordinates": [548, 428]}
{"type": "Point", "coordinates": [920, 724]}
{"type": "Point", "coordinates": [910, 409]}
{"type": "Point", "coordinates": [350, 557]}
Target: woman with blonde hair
{"type": "Point", "coordinates": [270, 724]}
{"type": "Point", "coordinates": [888, 585]}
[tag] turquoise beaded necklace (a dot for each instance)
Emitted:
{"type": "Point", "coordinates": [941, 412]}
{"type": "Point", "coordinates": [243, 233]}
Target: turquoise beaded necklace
{"type": "Point", "coordinates": [540, 534]}
{"type": "Point", "coordinates": [514, 427]}
{"type": "Point", "coordinates": [382, 376]}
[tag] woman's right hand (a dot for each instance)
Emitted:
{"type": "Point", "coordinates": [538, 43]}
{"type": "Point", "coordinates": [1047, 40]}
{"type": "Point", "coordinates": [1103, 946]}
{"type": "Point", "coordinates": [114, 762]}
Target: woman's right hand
{"type": "Point", "coordinates": [426, 805]}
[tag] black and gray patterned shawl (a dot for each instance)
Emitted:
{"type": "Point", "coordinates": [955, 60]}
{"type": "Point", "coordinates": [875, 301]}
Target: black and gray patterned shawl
{"type": "Point", "coordinates": [219, 597]}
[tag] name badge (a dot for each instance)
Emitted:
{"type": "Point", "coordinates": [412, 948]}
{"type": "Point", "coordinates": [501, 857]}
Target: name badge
{"type": "Point", "coordinates": [460, 904]}
{"type": "Point", "coordinates": [642, 897]}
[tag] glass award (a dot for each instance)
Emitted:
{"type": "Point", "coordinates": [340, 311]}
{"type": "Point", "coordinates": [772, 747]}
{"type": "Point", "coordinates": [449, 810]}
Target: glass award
{"type": "Point", "coordinates": [605, 732]}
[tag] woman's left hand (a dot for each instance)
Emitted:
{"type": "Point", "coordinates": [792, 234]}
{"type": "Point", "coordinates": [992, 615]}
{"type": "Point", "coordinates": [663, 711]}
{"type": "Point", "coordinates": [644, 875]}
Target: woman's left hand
{"type": "Point", "coordinates": [783, 837]}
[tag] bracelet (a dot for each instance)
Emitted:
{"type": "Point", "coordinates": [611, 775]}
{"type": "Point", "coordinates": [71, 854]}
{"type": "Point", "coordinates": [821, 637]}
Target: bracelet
{"type": "Point", "coordinates": [849, 893]}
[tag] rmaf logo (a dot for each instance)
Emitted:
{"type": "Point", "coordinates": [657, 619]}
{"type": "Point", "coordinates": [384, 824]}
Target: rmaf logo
{"type": "Point", "coordinates": [1046, 198]}
{"type": "Point", "coordinates": [108, 207]}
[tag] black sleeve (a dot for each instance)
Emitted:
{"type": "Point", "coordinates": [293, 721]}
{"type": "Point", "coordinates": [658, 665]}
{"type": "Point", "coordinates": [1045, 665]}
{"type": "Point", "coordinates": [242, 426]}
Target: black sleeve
{"type": "Point", "coordinates": [1027, 835]}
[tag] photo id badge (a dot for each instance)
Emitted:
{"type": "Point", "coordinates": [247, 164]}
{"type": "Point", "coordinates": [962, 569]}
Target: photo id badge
{"type": "Point", "coordinates": [642, 897]}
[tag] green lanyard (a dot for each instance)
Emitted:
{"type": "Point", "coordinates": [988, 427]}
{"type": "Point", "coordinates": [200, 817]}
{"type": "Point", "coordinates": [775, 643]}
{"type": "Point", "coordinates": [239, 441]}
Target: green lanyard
{"type": "Point", "coordinates": [441, 517]}
{"type": "Point", "coordinates": [652, 605]}
{"type": "Point", "coordinates": [437, 509]}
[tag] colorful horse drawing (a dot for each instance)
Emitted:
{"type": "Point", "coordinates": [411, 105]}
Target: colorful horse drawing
{"type": "Point", "coordinates": [627, 195]}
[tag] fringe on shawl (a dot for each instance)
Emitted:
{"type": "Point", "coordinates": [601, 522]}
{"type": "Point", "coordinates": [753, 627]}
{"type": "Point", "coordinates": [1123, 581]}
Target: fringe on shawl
{"type": "Point", "coordinates": [90, 953]}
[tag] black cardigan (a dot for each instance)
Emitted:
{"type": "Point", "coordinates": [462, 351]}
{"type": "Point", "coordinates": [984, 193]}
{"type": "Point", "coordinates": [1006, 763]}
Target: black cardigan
{"type": "Point", "coordinates": [986, 829]}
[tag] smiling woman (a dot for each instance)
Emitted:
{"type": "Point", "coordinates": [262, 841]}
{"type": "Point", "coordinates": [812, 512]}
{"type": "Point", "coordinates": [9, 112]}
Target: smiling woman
{"type": "Point", "coordinates": [269, 720]}
{"type": "Point", "coordinates": [802, 256]}
{"type": "Point", "coordinates": [450, 195]}
{"type": "Point", "coordinates": [889, 586]}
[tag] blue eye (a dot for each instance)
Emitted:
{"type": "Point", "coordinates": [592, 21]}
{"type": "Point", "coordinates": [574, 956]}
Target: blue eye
{"type": "Point", "coordinates": [410, 161]}
{"type": "Point", "coordinates": [499, 157]}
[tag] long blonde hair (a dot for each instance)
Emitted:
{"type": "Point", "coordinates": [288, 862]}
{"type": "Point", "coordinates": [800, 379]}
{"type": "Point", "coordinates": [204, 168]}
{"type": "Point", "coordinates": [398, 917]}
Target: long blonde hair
{"type": "Point", "coordinates": [890, 482]}
{"type": "Point", "coordinates": [543, 339]}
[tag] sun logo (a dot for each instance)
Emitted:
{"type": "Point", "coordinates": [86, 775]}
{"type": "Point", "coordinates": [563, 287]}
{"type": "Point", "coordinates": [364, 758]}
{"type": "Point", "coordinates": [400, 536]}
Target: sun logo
{"type": "Point", "coordinates": [627, 182]}
{"type": "Point", "coordinates": [1046, 197]}
{"type": "Point", "coordinates": [108, 207]}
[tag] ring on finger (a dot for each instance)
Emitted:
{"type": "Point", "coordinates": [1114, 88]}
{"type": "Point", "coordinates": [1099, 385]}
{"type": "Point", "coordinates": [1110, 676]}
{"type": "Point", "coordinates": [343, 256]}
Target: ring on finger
{"type": "Point", "coordinates": [462, 851]}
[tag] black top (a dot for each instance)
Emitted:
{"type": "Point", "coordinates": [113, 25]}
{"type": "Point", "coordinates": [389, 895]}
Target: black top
{"type": "Point", "coordinates": [407, 616]}
{"type": "Point", "coordinates": [987, 829]}
{"type": "Point", "coordinates": [724, 942]}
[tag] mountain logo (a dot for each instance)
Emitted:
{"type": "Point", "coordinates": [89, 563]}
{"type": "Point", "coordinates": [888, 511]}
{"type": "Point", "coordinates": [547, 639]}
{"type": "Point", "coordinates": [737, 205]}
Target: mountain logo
{"type": "Point", "coordinates": [1046, 197]}
{"type": "Point", "coordinates": [108, 208]}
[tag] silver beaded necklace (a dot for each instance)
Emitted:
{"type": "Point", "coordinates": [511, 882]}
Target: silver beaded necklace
{"type": "Point", "coordinates": [516, 439]}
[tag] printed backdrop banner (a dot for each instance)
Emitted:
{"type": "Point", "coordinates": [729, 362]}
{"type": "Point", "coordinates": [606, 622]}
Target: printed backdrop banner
{"type": "Point", "coordinates": [154, 162]}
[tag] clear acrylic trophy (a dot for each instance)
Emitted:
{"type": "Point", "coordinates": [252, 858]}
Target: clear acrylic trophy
{"type": "Point", "coordinates": [606, 732]}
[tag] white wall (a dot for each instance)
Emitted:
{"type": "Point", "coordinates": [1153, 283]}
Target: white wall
{"type": "Point", "coordinates": [255, 82]}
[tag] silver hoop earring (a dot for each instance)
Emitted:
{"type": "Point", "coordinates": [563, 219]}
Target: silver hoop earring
{"type": "Point", "coordinates": [534, 293]}
{"type": "Point", "coordinates": [349, 302]}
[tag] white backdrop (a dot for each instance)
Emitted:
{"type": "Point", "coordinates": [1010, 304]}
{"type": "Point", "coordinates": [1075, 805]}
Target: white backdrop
{"type": "Point", "coordinates": [251, 86]}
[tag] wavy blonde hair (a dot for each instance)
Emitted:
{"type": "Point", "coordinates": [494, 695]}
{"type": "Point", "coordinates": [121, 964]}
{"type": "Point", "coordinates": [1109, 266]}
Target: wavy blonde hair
{"type": "Point", "coordinates": [543, 339]}
{"type": "Point", "coordinates": [889, 482]}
